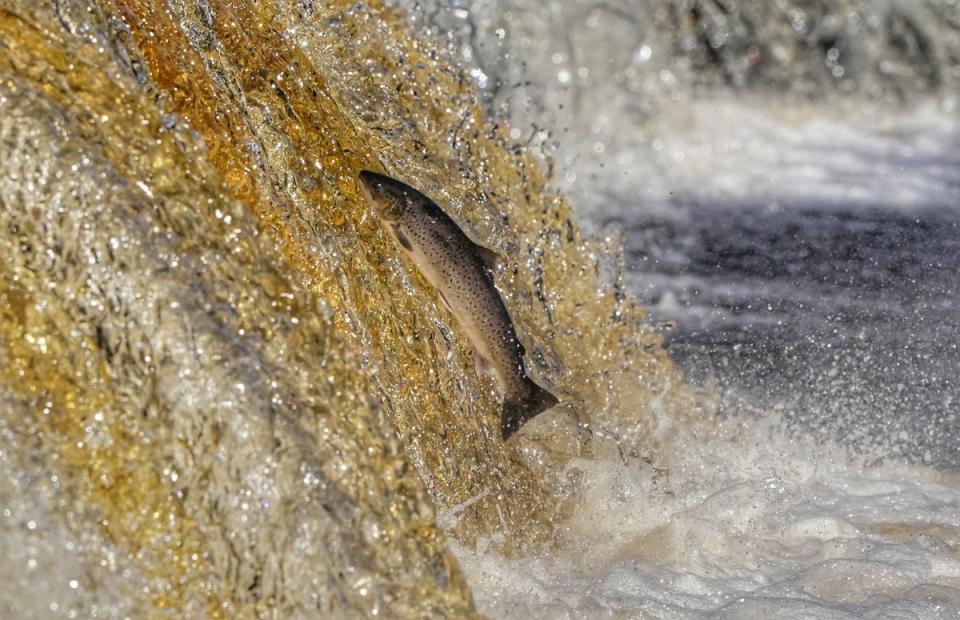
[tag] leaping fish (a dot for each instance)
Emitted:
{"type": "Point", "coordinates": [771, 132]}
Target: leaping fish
{"type": "Point", "coordinates": [461, 271]}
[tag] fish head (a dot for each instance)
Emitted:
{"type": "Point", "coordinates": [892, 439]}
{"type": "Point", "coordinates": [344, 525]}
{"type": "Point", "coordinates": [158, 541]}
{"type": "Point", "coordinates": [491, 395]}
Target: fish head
{"type": "Point", "coordinates": [388, 198]}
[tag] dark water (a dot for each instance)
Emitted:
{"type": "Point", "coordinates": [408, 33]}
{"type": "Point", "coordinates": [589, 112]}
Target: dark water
{"type": "Point", "coordinates": [846, 321]}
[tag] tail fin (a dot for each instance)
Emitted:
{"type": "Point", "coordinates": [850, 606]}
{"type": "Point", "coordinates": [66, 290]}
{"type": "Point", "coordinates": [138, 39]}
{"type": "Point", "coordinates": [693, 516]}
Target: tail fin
{"type": "Point", "coordinates": [518, 409]}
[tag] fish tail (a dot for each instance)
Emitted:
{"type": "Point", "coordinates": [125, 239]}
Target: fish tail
{"type": "Point", "coordinates": [519, 408]}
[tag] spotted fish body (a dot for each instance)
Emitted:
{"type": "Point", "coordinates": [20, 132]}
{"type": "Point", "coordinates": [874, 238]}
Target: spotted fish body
{"type": "Point", "coordinates": [461, 272]}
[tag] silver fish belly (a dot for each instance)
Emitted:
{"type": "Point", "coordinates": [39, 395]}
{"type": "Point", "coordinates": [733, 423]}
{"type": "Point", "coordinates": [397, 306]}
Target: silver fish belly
{"type": "Point", "coordinates": [461, 272]}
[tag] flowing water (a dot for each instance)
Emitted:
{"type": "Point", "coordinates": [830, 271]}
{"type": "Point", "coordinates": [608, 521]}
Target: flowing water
{"type": "Point", "coordinates": [786, 179]}
{"type": "Point", "coordinates": [226, 394]}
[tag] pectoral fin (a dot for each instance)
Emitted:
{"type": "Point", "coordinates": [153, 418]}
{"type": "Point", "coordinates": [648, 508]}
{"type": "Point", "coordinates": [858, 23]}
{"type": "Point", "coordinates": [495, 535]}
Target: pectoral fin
{"type": "Point", "coordinates": [401, 238]}
{"type": "Point", "coordinates": [482, 364]}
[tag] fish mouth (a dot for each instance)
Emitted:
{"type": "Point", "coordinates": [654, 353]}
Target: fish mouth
{"type": "Point", "coordinates": [380, 183]}
{"type": "Point", "coordinates": [377, 180]}
{"type": "Point", "coordinates": [368, 178]}
{"type": "Point", "coordinates": [366, 186]}
{"type": "Point", "coordinates": [369, 186]}
{"type": "Point", "coordinates": [377, 189]}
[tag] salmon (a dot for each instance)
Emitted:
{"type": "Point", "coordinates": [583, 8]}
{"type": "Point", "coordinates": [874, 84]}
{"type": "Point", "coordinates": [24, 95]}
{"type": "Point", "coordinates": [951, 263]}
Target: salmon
{"type": "Point", "coordinates": [462, 273]}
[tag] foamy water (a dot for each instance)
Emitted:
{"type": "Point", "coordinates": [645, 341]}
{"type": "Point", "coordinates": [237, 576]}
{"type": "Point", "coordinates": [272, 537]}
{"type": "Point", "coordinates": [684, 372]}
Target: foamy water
{"type": "Point", "coordinates": [786, 537]}
{"type": "Point", "coordinates": [767, 521]}
{"type": "Point", "coordinates": [759, 527]}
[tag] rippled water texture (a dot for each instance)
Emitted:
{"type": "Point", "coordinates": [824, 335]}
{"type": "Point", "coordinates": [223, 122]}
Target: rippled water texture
{"type": "Point", "coordinates": [224, 392]}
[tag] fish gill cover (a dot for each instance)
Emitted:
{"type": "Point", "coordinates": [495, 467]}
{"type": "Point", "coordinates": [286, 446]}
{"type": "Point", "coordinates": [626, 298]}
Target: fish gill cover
{"type": "Point", "coordinates": [223, 391]}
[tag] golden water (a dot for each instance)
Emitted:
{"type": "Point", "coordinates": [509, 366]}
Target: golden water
{"type": "Point", "coordinates": [249, 403]}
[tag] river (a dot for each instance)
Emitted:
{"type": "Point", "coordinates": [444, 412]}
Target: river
{"type": "Point", "coordinates": [784, 179]}
{"type": "Point", "coordinates": [728, 245]}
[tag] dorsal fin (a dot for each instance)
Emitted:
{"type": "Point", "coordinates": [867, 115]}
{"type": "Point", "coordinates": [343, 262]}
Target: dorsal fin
{"type": "Point", "coordinates": [490, 258]}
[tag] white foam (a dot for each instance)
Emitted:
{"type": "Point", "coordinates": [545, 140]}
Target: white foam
{"type": "Point", "coordinates": [765, 152]}
{"type": "Point", "coordinates": [741, 529]}
{"type": "Point", "coordinates": [766, 525]}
